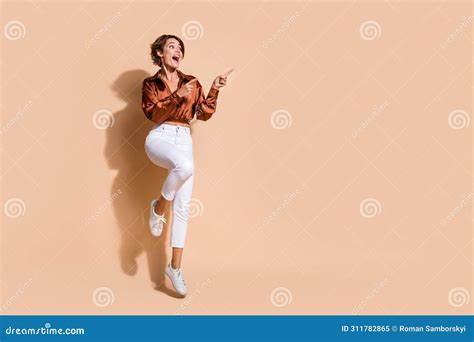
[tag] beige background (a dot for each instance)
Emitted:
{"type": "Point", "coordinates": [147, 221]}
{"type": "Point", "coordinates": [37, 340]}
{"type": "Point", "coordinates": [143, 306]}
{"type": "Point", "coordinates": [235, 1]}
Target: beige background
{"type": "Point", "coordinates": [335, 177]}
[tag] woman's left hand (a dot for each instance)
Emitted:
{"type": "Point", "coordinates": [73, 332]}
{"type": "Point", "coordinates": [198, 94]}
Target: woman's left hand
{"type": "Point", "coordinates": [221, 80]}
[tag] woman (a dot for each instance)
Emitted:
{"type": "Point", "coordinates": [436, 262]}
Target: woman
{"type": "Point", "coordinates": [172, 99]}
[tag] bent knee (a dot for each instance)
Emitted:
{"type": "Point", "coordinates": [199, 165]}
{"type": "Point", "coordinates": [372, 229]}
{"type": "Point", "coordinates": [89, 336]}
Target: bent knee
{"type": "Point", "coordinates": [185, 170]}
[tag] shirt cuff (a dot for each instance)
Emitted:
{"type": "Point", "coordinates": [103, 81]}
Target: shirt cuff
{"type": "Point", "coordinates": [213, 91]}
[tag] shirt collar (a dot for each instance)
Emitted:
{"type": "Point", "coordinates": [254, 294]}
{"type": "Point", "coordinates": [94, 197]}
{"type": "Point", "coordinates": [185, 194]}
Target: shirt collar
{"type": "Point", "coordinates": [180, 75]}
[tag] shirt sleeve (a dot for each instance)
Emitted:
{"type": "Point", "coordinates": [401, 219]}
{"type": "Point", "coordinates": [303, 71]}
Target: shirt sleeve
{"type": "Point", "coordinates": [156, 109]}
{"type": "Point", "coordinates": [205, 107]}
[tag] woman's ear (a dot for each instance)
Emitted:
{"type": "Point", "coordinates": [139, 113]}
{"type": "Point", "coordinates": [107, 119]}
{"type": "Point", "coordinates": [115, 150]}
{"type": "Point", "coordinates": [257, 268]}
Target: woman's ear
{"type": "Point", "coordinates": [158, 53]}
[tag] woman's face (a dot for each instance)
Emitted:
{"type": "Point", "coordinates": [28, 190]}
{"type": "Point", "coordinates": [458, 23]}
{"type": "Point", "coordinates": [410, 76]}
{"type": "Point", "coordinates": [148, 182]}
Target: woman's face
{"type": "Point", "coordinates": [172, 54]}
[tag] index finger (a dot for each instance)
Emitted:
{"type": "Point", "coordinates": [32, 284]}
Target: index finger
{"type": "Point", "coordinates": [227, 72]}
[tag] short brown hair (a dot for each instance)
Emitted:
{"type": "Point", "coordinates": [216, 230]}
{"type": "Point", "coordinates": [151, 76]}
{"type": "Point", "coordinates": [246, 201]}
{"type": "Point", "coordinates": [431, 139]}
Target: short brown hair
{"type": "Point", "coordinates": [159, 44]}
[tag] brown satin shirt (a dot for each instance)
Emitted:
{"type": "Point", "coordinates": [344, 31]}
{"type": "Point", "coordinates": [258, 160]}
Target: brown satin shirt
{"type": "Point", "coordinates": [160, 104]}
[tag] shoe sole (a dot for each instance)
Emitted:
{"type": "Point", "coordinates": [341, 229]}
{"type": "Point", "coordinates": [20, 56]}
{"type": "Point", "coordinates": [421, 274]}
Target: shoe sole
{"type": "Point", "coordinates": [171, 279]}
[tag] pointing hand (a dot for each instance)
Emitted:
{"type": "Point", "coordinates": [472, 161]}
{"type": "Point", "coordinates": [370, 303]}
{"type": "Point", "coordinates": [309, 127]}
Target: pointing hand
{"type": "Point", "coordinates": [221, 80]}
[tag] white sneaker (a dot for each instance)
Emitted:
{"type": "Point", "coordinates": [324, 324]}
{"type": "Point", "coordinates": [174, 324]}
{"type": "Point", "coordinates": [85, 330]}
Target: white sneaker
{"type": "Point", "coordinates": [156, 221]}
{"type": "Point", "coordinates": [176, 277]}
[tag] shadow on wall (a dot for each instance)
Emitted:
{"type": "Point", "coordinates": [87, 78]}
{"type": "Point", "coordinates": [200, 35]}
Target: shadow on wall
{"type": "Point", "coordinates": [139, 180]}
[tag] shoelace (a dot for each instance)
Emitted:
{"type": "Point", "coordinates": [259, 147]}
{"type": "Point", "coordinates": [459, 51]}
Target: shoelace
{"type": "Point", "coordinates": [160, 217]}
{"type": "Point", "coordinates": [180, 277]}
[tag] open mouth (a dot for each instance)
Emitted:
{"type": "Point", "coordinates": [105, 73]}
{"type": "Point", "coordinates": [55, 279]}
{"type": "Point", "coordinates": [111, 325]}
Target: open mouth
{"type": "Point", "coordinates": [176, 58]}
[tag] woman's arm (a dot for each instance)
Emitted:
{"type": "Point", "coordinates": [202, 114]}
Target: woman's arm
{"type": "Point", "coordinates": [155, 109]}
{"type": "Point", "coordinates": [206, 106]}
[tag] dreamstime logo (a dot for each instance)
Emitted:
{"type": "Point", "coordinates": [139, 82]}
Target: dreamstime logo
{"type": "Point", "coordinates": [284, 27]}
{"type": "Point", "coordinates": [14, 207]}
{"type": "Point", "coordinates": [370, 207]}
{"type": "Point", "coordinates": [281, 296]}
{"type": "Point", "coordinates": [370, 30]}
{"type": "Point", "coordinates": [103, 119]}
{"type": "Point", "coordinates": [192, 30]}
{"type": "Point", "coordinates": [278, 210]}
{"type": "Point", "coordinates": [453, 35]}
{"type": "Point", "coordinates": [103, 296]}
{"type": "Point", "coordinates": [373, 116]}
{"type": "Point", "coordinates": [458, 296]}
{"type": "Point", "coordinates": [19, 114]}
{"type": "Point", "coordinates": [195, 207]}
{"type": "Point", "coordinates": [191, 296]}
{"type": "Point", "coordinates": [281, 119]}
{"type": "Point", "coordinates": [106, 27]}
{"type": "Point", "coordinates": [458, 119]}
{"type": "Point", "coordinates": [13, 299]}
{"type": "Point", "coordinates": [463, 203]}
{"type": "Point", "coordinates": [14, 30]}
{"type": "Point", "coordinates": [101, 209]}
{"type": "Point", "coordinates": [372, 294]}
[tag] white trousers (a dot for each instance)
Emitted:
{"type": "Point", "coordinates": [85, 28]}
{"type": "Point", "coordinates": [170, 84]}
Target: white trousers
{"type": "Point", "coordinates": [171, 147]}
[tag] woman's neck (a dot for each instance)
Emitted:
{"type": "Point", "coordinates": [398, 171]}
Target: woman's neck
{"type": "Point", "coordinates": [169, 73]}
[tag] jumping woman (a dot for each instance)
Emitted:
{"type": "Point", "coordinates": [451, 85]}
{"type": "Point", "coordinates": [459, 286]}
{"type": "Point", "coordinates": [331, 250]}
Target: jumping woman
{"type": "Point", "coordinates": [172, 99]}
